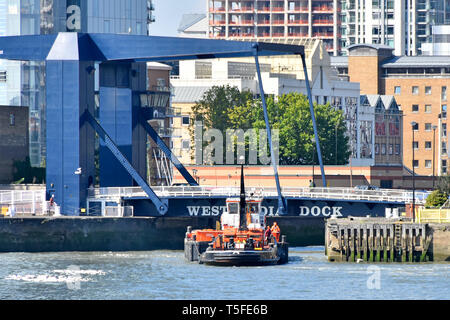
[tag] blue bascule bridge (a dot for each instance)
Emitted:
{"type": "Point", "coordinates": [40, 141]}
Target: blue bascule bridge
{"type": "Point", "coordinates": [122, 123]}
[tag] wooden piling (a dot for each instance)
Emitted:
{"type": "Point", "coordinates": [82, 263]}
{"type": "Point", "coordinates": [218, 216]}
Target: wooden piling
{"type": "Point", "coordinates": [377, 240]}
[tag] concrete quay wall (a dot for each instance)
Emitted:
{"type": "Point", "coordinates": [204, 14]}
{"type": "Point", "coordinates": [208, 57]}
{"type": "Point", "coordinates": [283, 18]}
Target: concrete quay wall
{"type": "Point", "coordinates": [56, 234]}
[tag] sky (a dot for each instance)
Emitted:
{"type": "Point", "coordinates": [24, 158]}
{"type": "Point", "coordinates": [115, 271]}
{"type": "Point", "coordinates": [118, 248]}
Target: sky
{"type": "Point", "coordinates": [168, 15]}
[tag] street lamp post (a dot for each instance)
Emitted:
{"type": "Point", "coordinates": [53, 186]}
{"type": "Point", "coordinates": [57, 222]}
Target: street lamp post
{"type": "Point", "coordinates": [434, 127]}
{"type": "Point", "coordinates": [413, 125]}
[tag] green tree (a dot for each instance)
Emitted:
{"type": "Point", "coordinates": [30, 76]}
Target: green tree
{"type": "Point", "coordinates": [436, 199]}
{"type": "Point", "coordinates": [214, 107]}
{"type": "Point", "coordinates": [226, 108]}
{"type": "Point", "coordinates": [291, 115]}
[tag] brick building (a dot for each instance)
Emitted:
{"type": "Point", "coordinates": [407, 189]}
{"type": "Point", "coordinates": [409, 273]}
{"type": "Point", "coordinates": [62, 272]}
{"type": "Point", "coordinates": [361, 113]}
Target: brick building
{"type": "Point", "coordinates": [419, 85]}
{"type": "Point", "coordinates": [14, 139]}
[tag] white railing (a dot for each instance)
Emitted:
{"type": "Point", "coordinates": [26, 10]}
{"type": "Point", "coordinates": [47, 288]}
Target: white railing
{"type": "Point", "coordinates": [24, 202]}
{"type": "Point", "coordinates": [119, 211]}
{"type": "Point", "coordinates": [382, 195]}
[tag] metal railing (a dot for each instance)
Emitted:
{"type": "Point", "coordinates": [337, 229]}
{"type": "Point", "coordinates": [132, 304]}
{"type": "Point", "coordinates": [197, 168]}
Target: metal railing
{"type": "Point", "coordinates": [119, 211]}
{"type": "Point", "coordinates": [24, 202]}
{"type": "Point", "coordinates": [432, 215]}
{"type": "Point", "coordinates": [382, 195]}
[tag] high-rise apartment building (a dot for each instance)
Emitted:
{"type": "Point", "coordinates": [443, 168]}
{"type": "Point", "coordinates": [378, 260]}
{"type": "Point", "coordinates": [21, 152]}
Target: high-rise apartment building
{"type": "Point", "coordinates": [23, 83]}
{"type": "Point", "coordinates": [276, 19]}
{"type": "Point", "coordinates": [401, 24]}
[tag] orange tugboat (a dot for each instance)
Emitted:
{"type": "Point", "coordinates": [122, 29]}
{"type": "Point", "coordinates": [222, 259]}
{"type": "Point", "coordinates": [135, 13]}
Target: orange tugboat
{"type": "Point", "coordinates": [242, 240]}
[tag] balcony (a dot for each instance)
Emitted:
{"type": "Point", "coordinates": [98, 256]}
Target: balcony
{"type": "Point", "coordinates": [263, 9]}
{"type": "Point", "coordinates": [322, 9]}
{"type": "Point", "coordinates": [323, 22]}
{"type": "Point", "coordinates": [216, 22]}
{"type": "Point", "coordinates": [217, 9]}
{"type": "Point", "coordinates": [169, 132]}
{"type": "Point", "coordinates": [278, 22]}
{"type": "Point", "coordinates": [243, 9]}
{"type": "Point", "coordinates": [278, 9]}
{"type": "Point", "coordinates": [299, 9]}
{"type": "Point", "coordinates": [298, 22]}
{"type": "Point", "coordinates": [245, 22]}
{"type": "Point", "coordinates": [277, 34]}
{"type": "Point", "coordinates": [263, 22]}
{"type": "Point", "coordinates": [155, 99]}
{"type": "Point", "coordinates": [323, 34]}
{"type": "Point", "coordinates": [298, 34]}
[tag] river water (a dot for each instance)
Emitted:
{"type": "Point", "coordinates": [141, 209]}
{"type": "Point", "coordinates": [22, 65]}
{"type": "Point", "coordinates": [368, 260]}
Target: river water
{"type": "Point", "coordinates": [166, 275]}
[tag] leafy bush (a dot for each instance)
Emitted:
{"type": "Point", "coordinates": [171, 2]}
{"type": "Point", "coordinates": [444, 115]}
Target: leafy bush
{"type": "Point", "coordinates": [436, 199]}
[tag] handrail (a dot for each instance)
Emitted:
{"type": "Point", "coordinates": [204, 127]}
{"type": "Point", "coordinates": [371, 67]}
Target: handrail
{"type": "Point", "coordinates": [382, 195]}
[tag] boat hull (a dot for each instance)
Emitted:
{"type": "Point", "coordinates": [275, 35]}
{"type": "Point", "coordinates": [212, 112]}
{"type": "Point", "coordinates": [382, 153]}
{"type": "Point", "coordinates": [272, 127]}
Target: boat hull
{"type": "Point", "coordinates": [197, 251]}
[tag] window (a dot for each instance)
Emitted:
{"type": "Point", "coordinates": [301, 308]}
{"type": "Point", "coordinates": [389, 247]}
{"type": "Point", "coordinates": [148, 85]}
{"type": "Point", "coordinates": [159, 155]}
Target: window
{"type": "Point", "coordinates": [377, 149]}
{"type": "Point", "coordinates": [185, 120]}
{"type": "Point", "coordinates": [397, 90]}
{"type": "Point", "coordinates": [427, 108]}
{"type": "Point", "coordinates": [427, 90]}
{"type": "Point", "coordinates": [416, 163]}
{"type": "Point", "coordinates": [443, 148]}
{"type": "Point", "coordinates": [415, 144]}
{"type": "Point", "coordinates": [428, 145]}
{"type": "Point", "coordinates": [383, 149]}
{"type": "Point", "coordinates": [12, 119]}
{"type": "Point", "coordinates": [444, 129]}
{"type": "Point", "coordinates": [415, 108]}
{"type": "Point", "coordinates": [391, 149]}
{"type": "Point", "coordinates": [186, 144]}
{"type": "Point", "coordinates": [444, 93]}
{"type": "Point", "coordinates": [428, 127]}
{"type": "Point", "coordinates": [3, 76]}
{"type": "Point", "coordinates": [397, 149]}
{"type": "Point", "coordinates": [444, 166]}
{"type": "Point", "coordinates": [444, 111]}
{"type": "Point", "coordinates": [427, 163]}
{"type": "Point", "coordinates": [415, 90]}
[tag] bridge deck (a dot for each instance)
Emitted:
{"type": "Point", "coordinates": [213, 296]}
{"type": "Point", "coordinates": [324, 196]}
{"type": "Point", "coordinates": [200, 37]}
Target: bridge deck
{"type": "Point", "coordinates": [350, 194]}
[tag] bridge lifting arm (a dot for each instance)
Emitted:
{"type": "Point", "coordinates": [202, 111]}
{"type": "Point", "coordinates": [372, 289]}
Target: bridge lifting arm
{"type": "Point", "coordinates": [161, 204]}
{"type": "Point", "coordinates": [282, 204]}
{"type": "Point", "coordinates": [313, 117]}
{"type": "Point", "coordinates": [154, 135]}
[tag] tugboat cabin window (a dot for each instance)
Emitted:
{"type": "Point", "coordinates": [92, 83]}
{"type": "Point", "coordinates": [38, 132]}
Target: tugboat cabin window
{"type": "Point", "coordinates": [233, 208]}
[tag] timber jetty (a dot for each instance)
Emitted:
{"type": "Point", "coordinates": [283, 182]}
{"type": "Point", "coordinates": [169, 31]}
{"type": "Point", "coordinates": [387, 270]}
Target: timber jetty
{"type": "Point", "coordinates": [358, 239]}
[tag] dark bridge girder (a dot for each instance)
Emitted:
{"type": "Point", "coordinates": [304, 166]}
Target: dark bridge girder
{"type": "Point", "coordinates": [70, 61]}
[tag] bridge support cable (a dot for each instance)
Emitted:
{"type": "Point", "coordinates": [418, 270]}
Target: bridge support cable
{"type": "Point", "coordinates": [161, 204]}
{"type": "Point", "coordinates": [282, 204]}
{"type": "Point", "coordinates": [313, 117]}
{"type": "Point", "coordinates": [169, 154]}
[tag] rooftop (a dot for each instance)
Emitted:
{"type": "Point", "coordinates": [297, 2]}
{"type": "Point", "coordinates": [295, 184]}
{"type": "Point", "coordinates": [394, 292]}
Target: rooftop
{"type": "Point", "coordinates": [188, 20]}
{"type": "Point", "coordinates": [417, 61]}
{"type": "Point", "coordinates": [188, 94]}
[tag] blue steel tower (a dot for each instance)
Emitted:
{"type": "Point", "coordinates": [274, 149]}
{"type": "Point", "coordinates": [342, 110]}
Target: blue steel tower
{"type": "Point", "coordinates": [25, 81]}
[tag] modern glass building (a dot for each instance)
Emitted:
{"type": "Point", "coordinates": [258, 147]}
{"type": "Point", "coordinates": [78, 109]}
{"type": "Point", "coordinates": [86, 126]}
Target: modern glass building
{"type": "Point", "coordinates": [24, 83]}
